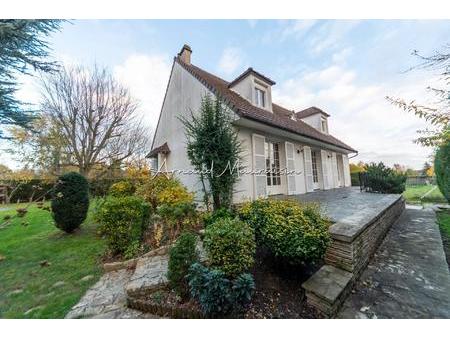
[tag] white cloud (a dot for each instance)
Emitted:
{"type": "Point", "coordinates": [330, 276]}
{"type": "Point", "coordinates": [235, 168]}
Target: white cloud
{"type": "Point", "coordinates": [146, 76]}
{"type": "Point", "coordinates": [342, 55]}
{"type": "Point", "coordinates": [330, 35]}
{"type": "Point", "coordinates": [298, 28]}
{"type": "Point", "coordinates": [360, 114]}
{"type": "Point", "coordinates": [231, 60]}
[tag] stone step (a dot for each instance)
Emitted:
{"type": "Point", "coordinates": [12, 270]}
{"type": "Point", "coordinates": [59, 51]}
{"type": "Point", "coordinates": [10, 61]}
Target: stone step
{"type": "Point", "coordinates": [150, 274]}
{"type": "Point", "coordinates": [327, 289]}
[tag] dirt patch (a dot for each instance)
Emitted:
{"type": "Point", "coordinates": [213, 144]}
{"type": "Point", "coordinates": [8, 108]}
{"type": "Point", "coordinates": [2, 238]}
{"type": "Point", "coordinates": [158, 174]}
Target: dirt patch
{"type": "Point", "coordinates": [278, 291]}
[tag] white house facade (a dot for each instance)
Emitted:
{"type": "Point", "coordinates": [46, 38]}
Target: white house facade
{"type": "Point", "coordinates": [284, 152]}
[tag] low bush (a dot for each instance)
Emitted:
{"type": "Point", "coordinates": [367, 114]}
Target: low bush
{"type": "Point", "coordinates": [122, 189]}
{"type": "Point", "coordinates": [379, 178]}
{"type": "Point", "coordinates": [122, 221]}
{"type": "Point", "coordinates": [181, 256]}
{"type": "Point", "coordinates": [230, 245]}
{"type": "Point", "coordinates": [442, 169]}
{"type": "Point", "coordinates": [178, 217]}
{"type": "Point", "coordinates": [70, 201]}
{"type": "Point", "coordinates": [296, 233]}
{"type": "Point", "coordinates": [161, 189]}
{"type": "Point", "coordinates": [218, 295]}
{"type": "Point", "coordinates": [354, 177]}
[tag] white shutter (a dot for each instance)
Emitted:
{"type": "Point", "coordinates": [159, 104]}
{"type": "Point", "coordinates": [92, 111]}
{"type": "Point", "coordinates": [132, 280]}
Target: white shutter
{"type": "Point", "coordinates": [290, 166]}
{"type": "Point", "coordinates": [325, 169]}
{"type": "Point", "coordinates": [259, 166]}
{"type": "Point", "coordinates": [308, 169]}
{"type": "Point", "coordinates": [347, 181]}
{"type": "Point", "coordinates": [334, 170]}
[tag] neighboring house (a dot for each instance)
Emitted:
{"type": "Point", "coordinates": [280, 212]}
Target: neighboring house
{"type": "Point", "coordinates": [273, 138]}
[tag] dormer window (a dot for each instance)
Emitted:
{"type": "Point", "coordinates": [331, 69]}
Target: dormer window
{"type": "Point", "coordinates": [260, 97]}
{"type": "Point", "coordinates": [323, 125]}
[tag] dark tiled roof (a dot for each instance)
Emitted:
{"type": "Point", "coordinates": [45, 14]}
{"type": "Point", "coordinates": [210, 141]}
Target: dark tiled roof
{"type": "Point", "coordinates": [310, 111]}
{"type": "Point", "coordinates": [281, 117]}
{"type": "Point", "coordinates": [255, 73]}
{"type": "Point", "coordinates": [164, 149]}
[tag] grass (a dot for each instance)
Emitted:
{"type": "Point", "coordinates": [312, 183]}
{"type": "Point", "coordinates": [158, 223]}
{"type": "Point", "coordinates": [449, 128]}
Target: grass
{"type": "Point", "coordinates": [444, 225]}
{"type": "Point", "coordinates": [413, 194]}
{"type": "Point", "coordinates": [26, 288]}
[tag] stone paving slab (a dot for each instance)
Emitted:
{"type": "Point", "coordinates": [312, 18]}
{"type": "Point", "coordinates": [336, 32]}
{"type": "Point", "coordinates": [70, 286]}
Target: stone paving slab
{"type": "Point", "coordinates": [408, 276]}
{"type": "Point", "coordinates": [107, 299]}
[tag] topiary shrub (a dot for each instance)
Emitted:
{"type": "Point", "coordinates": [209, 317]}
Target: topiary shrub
{"type": "Point", "coordinates": [122, 189]}
{"type": "Point", "coordinates": [230, 245]}
{"type": "Point", "coordinates": [122, 221]}
{"type": "Point", "coordinates": [296, 233]}
{"type": "Point", "coordinates": [442, 169]}
{"type": "Point", "coordinates": [70, 201]}
{"type": "Point", "coordinates": [380, 178]}
{"type": "Point", "coordinates": [181, 256]}
{"type": "Point", "coordinates": [218, 295]}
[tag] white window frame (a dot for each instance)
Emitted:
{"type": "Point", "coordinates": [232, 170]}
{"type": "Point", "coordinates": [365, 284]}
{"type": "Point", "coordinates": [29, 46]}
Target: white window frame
{"type": "Point", "coordinates": [323, 125]}
{"type": "Point", "coordinates": [263, 96]}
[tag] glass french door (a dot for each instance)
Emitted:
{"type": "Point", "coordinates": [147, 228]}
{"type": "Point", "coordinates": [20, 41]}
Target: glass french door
{"type": "Point", "coordinates": [272, 152]}
{"type": "Point", "coordinates": [315, 171]}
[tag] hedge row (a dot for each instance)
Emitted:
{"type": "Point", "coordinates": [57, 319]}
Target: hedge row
{"type": "Point", "coordinates": [42, 188]}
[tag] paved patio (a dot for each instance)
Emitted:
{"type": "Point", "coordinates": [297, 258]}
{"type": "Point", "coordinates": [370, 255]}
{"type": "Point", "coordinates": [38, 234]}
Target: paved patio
{"type": "Point", "coordinates": [408, 277]}
{"type": "Point", "coordinates": [346, 203]}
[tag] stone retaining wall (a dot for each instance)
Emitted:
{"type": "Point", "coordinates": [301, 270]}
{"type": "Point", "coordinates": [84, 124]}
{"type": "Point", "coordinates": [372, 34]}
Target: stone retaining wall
{"type": "Point", "coordinates": [354, 240]}
{"type": "Point", "coordinates": [351, 250]}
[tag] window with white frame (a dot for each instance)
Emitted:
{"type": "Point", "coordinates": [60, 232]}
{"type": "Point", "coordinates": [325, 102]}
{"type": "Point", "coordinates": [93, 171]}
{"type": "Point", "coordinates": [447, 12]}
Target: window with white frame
{"type": "Point", "coordinates": [323, 125]}
{"type": "Point", "coordinates": [260, 97]}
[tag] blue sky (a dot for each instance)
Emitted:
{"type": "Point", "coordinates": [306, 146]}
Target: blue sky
{"type": "Point", "coordinates": [344, 67]}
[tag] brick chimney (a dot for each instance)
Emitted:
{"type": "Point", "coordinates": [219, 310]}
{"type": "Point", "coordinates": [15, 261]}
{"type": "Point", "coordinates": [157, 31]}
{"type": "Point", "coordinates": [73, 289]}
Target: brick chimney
{"type": "Point", "coordinates": [185, 54]}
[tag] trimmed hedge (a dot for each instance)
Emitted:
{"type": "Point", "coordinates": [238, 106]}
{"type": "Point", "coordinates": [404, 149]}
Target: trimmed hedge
{"type": "Point", "coordinates": [230, 244]}
{"type": "Point", "coordinates": [291, 231]}
{"type": "Point", "coordinates": [122, 221]}
{"type": "Point", "coordinates": [442, 169]}
{"type": "Point", "coordinates": [70, 201]}
{"type": "Point", "coordinates": [379, 178]}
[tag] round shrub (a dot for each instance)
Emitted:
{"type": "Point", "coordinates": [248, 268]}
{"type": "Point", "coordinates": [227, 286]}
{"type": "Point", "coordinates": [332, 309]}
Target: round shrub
{"type": "Point", "coordinates": [442, 169]}
{"type": "Point", "coordinates": [296, 233]}
{"type": "Point", "coordinates": [230, 245]}
{"type": "Point", "coordinates": [181, 256]}
{"type": "Point", "coordinates": [70, 201]}
{"type": "Point", "coordinates": [122, 221]}
{"type": "Point", "coordinates": [211, 217]}
{"type": "Point", "coordinates": [122, 189]}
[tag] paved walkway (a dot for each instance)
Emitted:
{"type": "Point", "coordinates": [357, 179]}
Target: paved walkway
{"type": "Point", "coordinates": [408, 277]}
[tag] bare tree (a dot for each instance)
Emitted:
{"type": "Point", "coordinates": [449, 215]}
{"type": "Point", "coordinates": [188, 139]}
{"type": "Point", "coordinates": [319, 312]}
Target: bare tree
{"type": "Point", "coordinates": [96, 117]}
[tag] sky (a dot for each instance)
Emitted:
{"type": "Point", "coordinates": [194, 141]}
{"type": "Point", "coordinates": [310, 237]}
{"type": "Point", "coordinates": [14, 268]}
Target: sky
{"type": "Point", "coordinates": [346, 68]}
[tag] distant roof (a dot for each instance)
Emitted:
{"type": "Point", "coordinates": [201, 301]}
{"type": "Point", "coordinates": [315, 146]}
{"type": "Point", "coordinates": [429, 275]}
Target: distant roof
{"type": "Point", "coordinates": [280, 118]}
{"type": "Point", "coordinates": [310, 111]}
{"type": "Point", "coordinates": [255, 73]}
{"type": "Point", "coordinates": [163, 149]}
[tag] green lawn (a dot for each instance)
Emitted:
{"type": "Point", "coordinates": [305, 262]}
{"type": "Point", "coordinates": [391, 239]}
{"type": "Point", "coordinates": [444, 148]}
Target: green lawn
{"type": "Point", "coordinates": [25, 285]}
{"type": "Point", "coordinates": [413, 194]}
{"type": "Point", "coordinates": [444, 222]}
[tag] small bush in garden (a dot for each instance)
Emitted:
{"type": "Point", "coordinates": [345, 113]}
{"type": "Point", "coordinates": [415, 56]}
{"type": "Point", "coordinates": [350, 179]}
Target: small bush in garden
{"type": "Point", "coordinates": [122, 221]}
{"type": "Point", "coordinates": [122, 189]}
{"type": "Point", "coordinates": [178, 217]}
{"type": "Point", "coordinates": [181, 256]}
{"type": "Point", "coordinates": [218, 295]}
{"type": "Point", "coordinates": [230, 245]}
{"type": "Point", "coordinates": [162, 189]}
{"type": "Point", "coordinates": [70, 201]}
{"type": "Point", "coordinates": [384, 179]}
{"type": "Point", "coordinates": [210, 218]}
{"type": "Point", "coordinates": [442, 169]}
{"type": "Point", "coordinates": [297, 233]}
